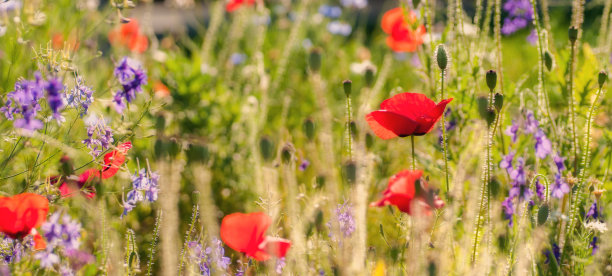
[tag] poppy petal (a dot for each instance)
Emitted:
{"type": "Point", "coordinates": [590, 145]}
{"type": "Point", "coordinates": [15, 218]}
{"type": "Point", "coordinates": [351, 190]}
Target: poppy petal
{"type": "Point", "coordinates": [390, 19]}
{"type": "Point", "coordinates": [276, 246]}
{"type": "Point", "coordinates": [39, 242]}
{"type": "Point", "coordinates": [245, 232]}
{"type": "Point", "coordinates": [387, 125]}
{"type": "Point", "coordinates": [21, 213]}
{"type": "Point", "coordinates": [411, 105]}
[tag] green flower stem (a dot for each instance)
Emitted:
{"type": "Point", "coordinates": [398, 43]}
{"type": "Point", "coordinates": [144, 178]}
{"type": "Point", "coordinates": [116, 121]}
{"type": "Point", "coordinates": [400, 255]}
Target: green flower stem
{"type": "Point", "coordinates": [444, 146]}
{"type": "Point", "coordinates": [572, 107]}
{"type": "Point", "coordinates": [413, 157]}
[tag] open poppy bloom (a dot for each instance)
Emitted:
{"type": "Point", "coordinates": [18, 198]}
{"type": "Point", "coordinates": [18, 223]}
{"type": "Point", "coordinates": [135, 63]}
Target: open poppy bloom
{"type": "Point", "coordinates": [22, 213]}
{"type": "Point", "coordinates": [129, 35]}
{"type": "Point", "coordinates": [112, 163]}
{"type": "Point", "coordinates": [404, 33]}
{"type": "Point", "coordinates": [406, 114]}
{"type": "Point", "coordinates": [246, 233]}
{"type": "Point", "coordinates": [235, 4]}
{"type": "Point", "coordinates": [405, 190]}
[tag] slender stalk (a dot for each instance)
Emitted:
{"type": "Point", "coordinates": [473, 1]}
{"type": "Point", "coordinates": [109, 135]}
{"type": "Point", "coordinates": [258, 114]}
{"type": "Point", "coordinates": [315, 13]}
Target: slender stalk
{"type": "Point", "coordinates": [572, 107]}
{"type": "Point", "coordinates": [444, 146]}
{"type": "Point", "coordinates": [413, 157]}
{"type": "Point", "coordinates": [498, 44]}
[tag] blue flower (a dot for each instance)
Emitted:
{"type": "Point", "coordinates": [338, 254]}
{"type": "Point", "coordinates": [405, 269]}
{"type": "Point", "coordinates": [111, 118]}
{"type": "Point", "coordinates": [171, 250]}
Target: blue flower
{"type": "Point", "coordinates": [330, 11]}
{"type": "Point", "coordinates": [81, 96]}
{"type": "Point", "coordinates": [543, 147]}
{"type": "Point", "coordinates": [560, 187]}
{"type": "Point", "coordinates": [339, 28]}
{"type": "Point", "coordinates": [508, 208]}
{"type": "Point", "coordinates": [99, 137]}
{"type": "Point", "coordinates": [512, 131]}
{"type": "Point", "coordinates": [593, 212]}
{"type": "Point", "coordinates": [132, 77]}
{"type": "Point", "coordinates": [357, 4]}
{"type": "Point", "coordinates": [520, 13]}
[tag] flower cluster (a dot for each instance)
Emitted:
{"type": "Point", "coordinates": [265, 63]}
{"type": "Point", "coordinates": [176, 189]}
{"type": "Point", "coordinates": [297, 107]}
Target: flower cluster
{"type": "Point", "coordinates": [332, 12]}
{"type": "Point", "coordinates": [63, 235]}
{"type": "Point", "coordinates": [24, 100]}
{"type": "Point", "coordinates": [144, 187]}
{"type": "Point", "coordinates": [132, 77]}
{"type": "Point", "coordinates": [520, 13]}
{"type": "Point", "coordinates": [12, 250]}
{"type": "Point", "coordinates": [405, 33]}
{"type": "Point", "coordinates": [100, 137]}
{"type": "Point", "coordinates": [206, 257]}
{"type": "Point", "coordinates": [344, 220]}
{"type": "Point", "coordinates": [80, 97]}
{"type": "Point", "coordinates": [339, 28]}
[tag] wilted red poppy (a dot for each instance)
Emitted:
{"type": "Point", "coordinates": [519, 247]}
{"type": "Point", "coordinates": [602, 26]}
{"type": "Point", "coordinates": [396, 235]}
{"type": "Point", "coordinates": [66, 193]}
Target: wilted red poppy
{"type": "Point", "coordinates": [406, 114]}
{"type": "Point", "coordinates": [404, 33]}
{"type": "Point", "coordinates": [21, 213]}
{"type": "Point", "coordinates": [235, 4]}
{"type": "Point", "coordinates": [407, 188]}
{"type": "Point", "coordinates": [114, 159]}
{"type": "Point", "coordinates": [246, 233]}
{"type": "Point", "coordinates": [129, 35]}
{"type": "Point", "coordinates": [72, 186]}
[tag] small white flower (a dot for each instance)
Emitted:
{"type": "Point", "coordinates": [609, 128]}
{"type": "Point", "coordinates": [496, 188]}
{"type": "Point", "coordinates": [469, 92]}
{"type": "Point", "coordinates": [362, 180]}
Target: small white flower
{"type": "Point", "coordinates": [361, 67]}
{"type": "Point", "coordinates": [596, 226]}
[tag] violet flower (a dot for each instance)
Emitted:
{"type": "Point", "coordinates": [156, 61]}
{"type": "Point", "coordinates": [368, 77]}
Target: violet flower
{"type": "Point", "coordinates": [560, 187]}
{"type": "Point", "coordinates": [132, 77]}
{"type": "Point", "coordinates": [543, 147]}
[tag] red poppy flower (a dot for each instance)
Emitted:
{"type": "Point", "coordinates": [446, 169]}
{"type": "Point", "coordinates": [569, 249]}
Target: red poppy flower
{"type": "Point", "coordinates": [404, 190]}
{"type": "Point", "coordinates": [247, 233]}
{"type": "Point", "coordinates": [406, 114]}
{"type": "Point", "coordinates": [404, 34]}
{"type": "Point", "coordinates": [129, 35]}
{"type": "Point", "coordinates": [160, 89]}
{"type": "Point", "coordinates": [112, 163]}
{"type": "Point", "coordinates": [235, 4]}
{"type": "Point", "coordinates": [39, 242]}
{"type": "Point", "coordinates": [21, 213]}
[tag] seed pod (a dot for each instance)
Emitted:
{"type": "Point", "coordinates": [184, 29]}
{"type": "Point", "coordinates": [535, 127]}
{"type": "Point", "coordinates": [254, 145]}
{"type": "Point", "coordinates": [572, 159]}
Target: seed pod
{"type": "Point", "coordinates": [441, 57]}
{"type": "Point", "coordinates": [573, 34]}
{"type": "Point", "coordinates": [369, 76]}
{"type": "Point", "coordinates": [369, 140]}
{"type": "Point", "coordinates": [160, 124]}
{"type": "Point", "coordinates": [174, 148]}
{"type": "Point", "coordinates": [309, 129]}
{"type": "Point", "coordinates": [350, 172]}
{"type": "Point", "coordinates": [266, 147]}
{"type": "Point", "coordinates": [347, 84]}
{"type": "Point", "coordinates": [549, 61]}
{"type": "Point", "coordinates": [314, 59]}
{"type": "Point", "coordinates": [490, 118]}
{"type": "Point", "coordinates": [543, 214]}
{"type": "Point", "coordinates": [197, 153]}
{"type": "Point", "coordinates": [160, 149]}
{"type": "Point", "coordinates": [320, 181]}
{"type": "Point", "coordinates": [603, 77]}
{"type": "Point", "coordinates": [483, 105]}
{"type": "Point", "coordinates": [498, 101]}
{"type": "Point", "coordinates": [491, 77]}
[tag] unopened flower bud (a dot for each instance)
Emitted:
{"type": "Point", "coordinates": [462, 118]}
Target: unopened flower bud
{"type": "Point", "coordinates": [369, 76]}
{"type": "Point", "coordinates": [573, 34]}
{"type": "Point", "coordinates": [483, 105]}
{"type": "Point", "coordinates": [353, 129]}
{"type": "Point", "coordinates": [603, 77]}
{"type": "Point", "coordinates": [314, 60]}
{"type": "Point", "coordinates": [549, 61]}
{"type": "Point", "coordinates": [347, 84]}
{"type": "Point", "coordinates": [287, 153]}
{"type": "Point", "coordinates": [309, 129]}
{"type": "Point", "coordinates": [490, 116]}
{"type": "Point", "coordinates": [369, 141]}
{"type": "Point", "coordinates": [498, 101]}
{"type": "Point", "coordinates": [197, 154]}
{"type": "Point", "coordinates": [266, 147]}
{"type": "Point", "coordinates": [441, 57]}
{"type": "Point", "coordinates": [491, 77]}
{"type": "Point", "coordinates": [350, 171]}
{"type": "Point", "coordinates": [174, 148]}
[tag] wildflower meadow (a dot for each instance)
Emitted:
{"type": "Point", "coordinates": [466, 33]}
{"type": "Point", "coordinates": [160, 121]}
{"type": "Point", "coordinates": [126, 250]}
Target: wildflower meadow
{"type": "Point", "coordinates": [305, 137]}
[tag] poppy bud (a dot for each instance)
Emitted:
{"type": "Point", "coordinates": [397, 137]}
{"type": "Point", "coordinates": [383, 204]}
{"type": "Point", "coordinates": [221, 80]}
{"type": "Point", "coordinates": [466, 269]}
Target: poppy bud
{"type": "Point", "coordinates": [350, 171]}
{"type": "Point", "coordinates": [67, 167]}
{"type": "Point", "coordinates": [160, 149]}
{"type": "Point", "coordinates": [197, 153]}
{"type": "Point", "coordinates": [491, 77]}
{"type": "Point", "coordinates": [416, 3]}
{"type": "Point", "coordinates": [174, 148]}
{"type": "Point", "coordinates": [441, 57]}
{"type": "Point", "coordinates": [498, 101]}
{"type": "Point", "coordinates": [347, 87]}
{"type": "Point", "coordinates": [543, 214]}
{"type": "Point", "coordinates": [266, 146]}
{"type": "Point", "coordinates": [287, 153]}
{"type": "Point", "coordinates": [320, 181]}
{"type": "Point", "coordinates": [369, 140]}
{"type": "Point", "coordinates": [309, 129]}
{"type": "Point", "coordinates": [573, 34]}
{"type": "Point", "coordinates": [353, 129]}
{"type": "Point", "coordinates": [549, 60]}
{"type": "Point", "coordinates": [125, 20]}
{"type": "Point", "coordinates": [369, 76]}
{"type": "Point", "coordinates": [314, 60]}
{"type": "Point", "coordinates": [603, 77]}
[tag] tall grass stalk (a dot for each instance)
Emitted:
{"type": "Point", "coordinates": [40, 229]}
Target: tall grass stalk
{"type": "Point", "coordinates": [498, 44]}
{"type": "Point", "coordinates": [298, 258]}
{"type": "Point", "coordinates": [154, 242]}
{"type": "Point", "coordinates": [170, 176]}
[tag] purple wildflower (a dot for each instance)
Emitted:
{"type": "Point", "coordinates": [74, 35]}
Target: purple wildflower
{"type": "Point", "coordinates": [506, 162]}
{"type": "Point", "coordinates": [206, 257]}
{"type": "Point", "coordinates": [532, 38]}
{"type": "Point", "coordinates": [520, 13]}
{"type": "Point", "coordinates": [280, 264]}
{"type": "Point", "coordinates": [508, 208]}
{"type": "Point", "coordinates": [555, 251]}
{"type": "Point", "coordinates": [47, 258]}
{"type": "Point", "coordinates": [518, 175]}
{"type": "Point", "coordinates": [11, 251]}
{"type": "Point", "coordinates": [144, 187]}
{"type": "Point", "coordinates": [532, 124]}
{"type": "Point", "coordinates": [512, 131]}
{"type": "Point", "coordinates": [339, 28]}
{"type": "Point", "coordinates": [81, 96]}
{"type": "Point", "coordinates": [330, 11]}
{"type": "Point", "coordinates": [559, 162]}
{"type": "Point", "coordinates": [593, 212]}
{"type": "Point", "coordinates": [24, 100]}
{"type": "Point", "coordinates": [132, 77]}
{"type": "Point", "coordinates": [238, 58]}
{"type": "Point", "coordinates": [560, 187]}
{"type": "Point", "coordinates": [100, 137]}
{"type": "Point", "coordinates": [65, 233]}
{"type": "Point", "coordinates": [344, 215]}
{"type": "Point", "coordinates": [55, 98]}
{"type": "Point", "coordinates": [304, 165]}
{"type": "Point", "coordinates": [594, 245]}
{"type": "Point", "coordinates": [543, 147]}
{"type": "Point", "coordinates": [357, 4]}
{"type": "Point", "coordinates": [79, 259]}
{"type": "Point", "coordinates": [521, 191]}
{"type": "Point", "coordinates": [540, 190]}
